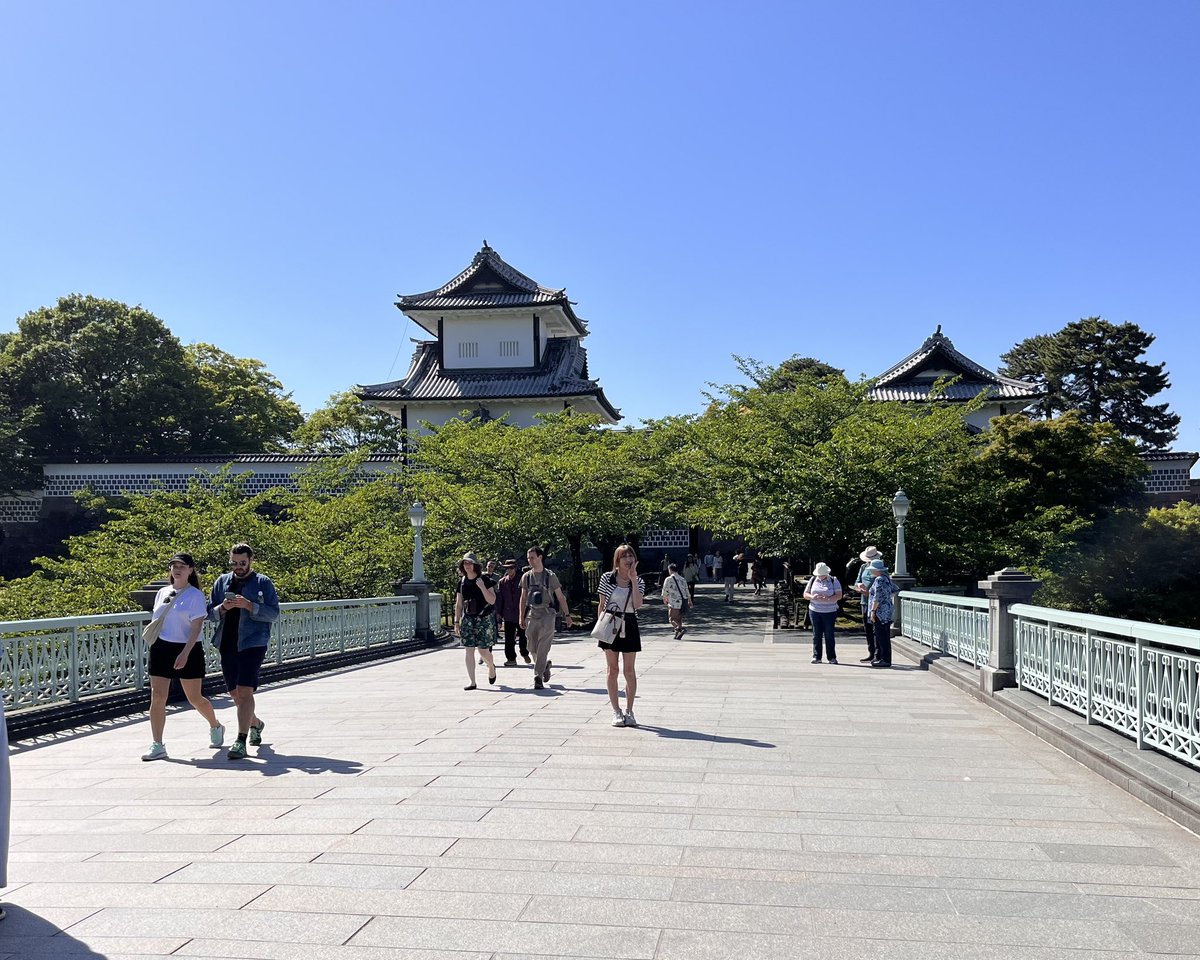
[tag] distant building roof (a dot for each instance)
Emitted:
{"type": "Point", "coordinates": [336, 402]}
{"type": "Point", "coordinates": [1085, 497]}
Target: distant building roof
{"type": "Point", "coordinates": [913, 377]}
{"type": "Point", "coordinates": [1151, 456]}
{"type": "Point", "coordinates": [243, 458]}
{"type": "Point", "coordinates": [490, 283]}
{"type": "Point", "coordinates": [562, 373]}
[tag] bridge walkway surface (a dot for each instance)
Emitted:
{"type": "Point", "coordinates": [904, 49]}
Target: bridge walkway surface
{"type": "Point", "coordinates": [765, 808]}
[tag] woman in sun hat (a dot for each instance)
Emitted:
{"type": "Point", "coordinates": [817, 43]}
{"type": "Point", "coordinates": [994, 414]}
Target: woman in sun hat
{"type": "Point", "coordinates": [474, 616]}
{"type": "Point", "coordinates": [862, 586]}
{"type": "Point", "coordinates": [881, 610]}
{"type": "Point", "coordinates": [823, 593]}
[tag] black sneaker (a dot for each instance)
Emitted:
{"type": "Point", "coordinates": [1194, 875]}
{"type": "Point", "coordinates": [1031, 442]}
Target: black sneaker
{"type": "Point", "coordinates": [546, 675]}
{"type": "Point", "coordinates": [537, 684]}
{"type": "Point", "coordinates": [816, 660]}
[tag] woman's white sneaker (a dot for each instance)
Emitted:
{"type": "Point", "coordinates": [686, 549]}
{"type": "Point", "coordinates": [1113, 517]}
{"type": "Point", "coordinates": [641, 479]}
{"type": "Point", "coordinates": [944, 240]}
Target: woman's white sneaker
{"type": "Point", "coordinates": [618, 718]}
{"type": "Point", "coordinates": [630, 719]}
{"type": "Point", "coordinates": [156, 752]}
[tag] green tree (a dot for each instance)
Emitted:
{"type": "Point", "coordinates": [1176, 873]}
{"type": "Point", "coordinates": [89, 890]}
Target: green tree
{"type": "Point", "coordinates": [810, 473]}
{"type": "Point", "coordinates": [337, 536]}
{"type": "Point", "coordinates": [1096, 367]}
{"type": "Point", "coordinates": [344, 424]}
{"type": "Point", "coordinates": [1135, 566]}
{"type": "Point", "coordinates": [93, 378]}
{"type": "Point", "coordinates": [492, 487]}
{"type": "Point", "coordinates": [239, 406]}
{"type": "Point", "coordinates": [90, 378]}
{"type": "Point", "coordinates": [1042, 486]}
{"type": "Point", "coordinates": [793, 371]}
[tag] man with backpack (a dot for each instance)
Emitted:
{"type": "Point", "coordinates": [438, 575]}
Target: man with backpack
{"type": "Point", "coordinates": [541, 599]}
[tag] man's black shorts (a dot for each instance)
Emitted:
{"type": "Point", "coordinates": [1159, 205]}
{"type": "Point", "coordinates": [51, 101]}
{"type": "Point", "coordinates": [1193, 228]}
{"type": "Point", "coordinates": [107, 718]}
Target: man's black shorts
{"type": "Point", "coordinates": [241, 667]}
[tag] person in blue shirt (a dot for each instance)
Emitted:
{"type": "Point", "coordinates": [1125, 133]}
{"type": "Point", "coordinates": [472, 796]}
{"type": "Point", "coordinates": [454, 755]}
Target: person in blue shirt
{"type": "Point", "coordinates": [881, 609]}
{"type": "Point", "coordinates": [244, 604]}
{"type": "Point", "coordinates": [862, 586]}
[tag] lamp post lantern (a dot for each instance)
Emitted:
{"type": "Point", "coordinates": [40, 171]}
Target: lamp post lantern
{"type": "Point", "coordinates": [416, 516]}
{"type": "Point", "coordinates": [900, 505]}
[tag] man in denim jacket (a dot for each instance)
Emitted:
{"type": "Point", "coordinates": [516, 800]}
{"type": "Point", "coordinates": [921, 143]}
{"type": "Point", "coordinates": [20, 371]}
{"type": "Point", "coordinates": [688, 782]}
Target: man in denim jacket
{"type": "Point", "coordinates": [244, 604]}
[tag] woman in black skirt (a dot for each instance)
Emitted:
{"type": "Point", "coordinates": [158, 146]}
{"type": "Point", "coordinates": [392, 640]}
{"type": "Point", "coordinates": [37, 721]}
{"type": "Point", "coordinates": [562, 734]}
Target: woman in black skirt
{"type": "Point", "coordinates": [177, 654]}
{"type": "Point", "coordinates": [622, 589]}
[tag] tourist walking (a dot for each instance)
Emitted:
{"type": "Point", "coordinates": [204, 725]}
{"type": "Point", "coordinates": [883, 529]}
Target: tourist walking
{"type": "Point", "coordinates": [862, 586]}
{"type": "Point", "coordinates": [540, 588]}
{"type": "Point", "coordinates": [718, 562]}
{"type": "Point", "coordinates": [475, 616]}
{"type": "Point", "coordinates": [508, 614]}
{"type": "Point", "coordinates": [881, 607]}
{"type": "Point", "coordinates": [708, 565]}
{"type": "Point", "coordinates": [676, 598]}
{"type": "Point", "coordinates": [758, 575]}
{"type": "Point", "coordinates": [621, 589]}
{"type": "Point", "coordinates": [729, 568]}
{"type": "Point", "coordinates": [691, 573]}
{"type": "Point", "coordinates": [177, 654]}
{"type": "Point", "coordinates": [823, 592]}
{"type": "Point", "coordinates": [245, 605]}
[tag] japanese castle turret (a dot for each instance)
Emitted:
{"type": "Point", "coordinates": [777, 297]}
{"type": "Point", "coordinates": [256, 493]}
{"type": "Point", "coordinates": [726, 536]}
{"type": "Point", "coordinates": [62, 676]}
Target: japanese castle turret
{"type": "Point", "coordinates": [913, 379]}
{"type": "Point", "coordinates": [505, 347]}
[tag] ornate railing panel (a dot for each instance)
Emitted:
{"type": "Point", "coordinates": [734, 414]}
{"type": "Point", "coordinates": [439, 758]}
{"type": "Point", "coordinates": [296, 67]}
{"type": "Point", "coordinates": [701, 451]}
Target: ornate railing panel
{"type": "Point", "coordinates": [1140, 679]}
{"type": "Point", "coordinates": [45, 662]}
{"type": "Point", "coordinates": [955, 625]}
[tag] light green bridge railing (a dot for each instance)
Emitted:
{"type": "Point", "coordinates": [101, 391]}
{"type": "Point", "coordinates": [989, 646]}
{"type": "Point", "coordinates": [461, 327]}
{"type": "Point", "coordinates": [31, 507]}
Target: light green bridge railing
{"type": "Point", "coordinates": [63, 660]}
{"type": "Point", "coordinates": [1139, 679]}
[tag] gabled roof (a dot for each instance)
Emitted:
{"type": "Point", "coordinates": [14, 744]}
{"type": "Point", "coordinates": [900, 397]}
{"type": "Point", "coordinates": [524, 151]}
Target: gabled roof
{"type": "Point", "coordinates": [914, 376]}
{"type": "Point", "coordinates": [490, 283]}
{"type": "Point", "coordinates": [562, 374]}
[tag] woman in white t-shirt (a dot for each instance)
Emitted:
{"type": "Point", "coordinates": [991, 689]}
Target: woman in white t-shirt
{"type": "Point", "coordinates": [177, 654]}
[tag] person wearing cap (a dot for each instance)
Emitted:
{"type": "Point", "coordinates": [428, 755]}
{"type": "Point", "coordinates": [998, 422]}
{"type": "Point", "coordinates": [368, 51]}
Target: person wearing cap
{"type": "Point", "coordinates": [862, 586]}
{"type": "Point", "coordinates": [245, 604]}
{"type": "Point", "coordinates": [508, 613]}
{"type": "Point", "coordinates": [177, 654]}
{"type": "Point", "coordinates": [475, 616]}
{"type": "Point", "coordinates": [823, 593]}
{"type": "Point", "coordinates": [881, 610]}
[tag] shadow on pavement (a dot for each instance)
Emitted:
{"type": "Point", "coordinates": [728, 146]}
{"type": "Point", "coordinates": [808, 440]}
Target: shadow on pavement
{"type": "Point", "coordinates": [271, 764]}
{"type": "Point", "coordinates": [670, 734]}
{"type": "Point", "coordinates": [25, 934]}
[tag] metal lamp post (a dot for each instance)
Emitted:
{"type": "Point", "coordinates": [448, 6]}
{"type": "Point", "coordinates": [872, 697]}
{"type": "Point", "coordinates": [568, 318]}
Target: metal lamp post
{"type": "Point", "coordinates": [416, 516]}
{"type": "Point", "coordinates": [900, 505]}
{"type": "Point", "coordinates": [417, 586]}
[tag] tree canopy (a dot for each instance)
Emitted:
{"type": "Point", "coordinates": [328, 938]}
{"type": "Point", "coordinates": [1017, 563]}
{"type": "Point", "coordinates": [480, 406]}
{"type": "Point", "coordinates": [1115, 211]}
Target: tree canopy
{"type": "Point", "coordinates": [345, 424]}
{"type": "Point", "coordinates": [97, 379]}
{"type": "Point", "coordinates": [1096, 367]}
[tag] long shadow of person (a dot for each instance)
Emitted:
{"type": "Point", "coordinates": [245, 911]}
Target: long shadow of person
{"type": "Point", "coordinates": [25, 934]}
{"type": "Point", "coordinates": [669, 734]}
{"type": "Point", "coordinates": [271, 764]}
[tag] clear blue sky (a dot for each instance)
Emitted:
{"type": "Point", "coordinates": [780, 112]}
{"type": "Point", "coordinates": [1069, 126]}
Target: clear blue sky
{"type": "Point", "coordinates": [832, 179]}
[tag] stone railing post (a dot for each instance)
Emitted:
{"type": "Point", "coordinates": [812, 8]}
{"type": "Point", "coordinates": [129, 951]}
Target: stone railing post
{"type": "Point", "coordinates": [1002, 589]}
{"type": "Point", "coordinates": [420, 590]}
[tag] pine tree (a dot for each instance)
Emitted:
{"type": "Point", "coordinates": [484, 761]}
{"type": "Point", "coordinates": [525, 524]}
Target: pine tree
{"type": "Point", "coordinates": [1096, 367]}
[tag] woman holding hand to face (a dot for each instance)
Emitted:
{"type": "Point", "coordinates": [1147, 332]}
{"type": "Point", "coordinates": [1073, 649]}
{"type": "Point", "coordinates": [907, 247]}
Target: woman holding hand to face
{"type": "Point", "coordinates": [621, 589]}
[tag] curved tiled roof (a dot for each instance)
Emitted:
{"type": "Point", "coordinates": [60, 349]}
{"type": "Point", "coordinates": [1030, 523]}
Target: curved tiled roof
{"type": "Point", "coordinates": [562, 373]}
{"type": "Point", "coordinates": [903, 381]}
{"type": "Point", "coordinates": [490, 282]}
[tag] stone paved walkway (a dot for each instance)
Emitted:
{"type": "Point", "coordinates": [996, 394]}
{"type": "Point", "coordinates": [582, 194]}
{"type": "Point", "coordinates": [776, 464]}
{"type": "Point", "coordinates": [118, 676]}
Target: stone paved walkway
{"type": "Point", "coordinates": [766, 808]}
